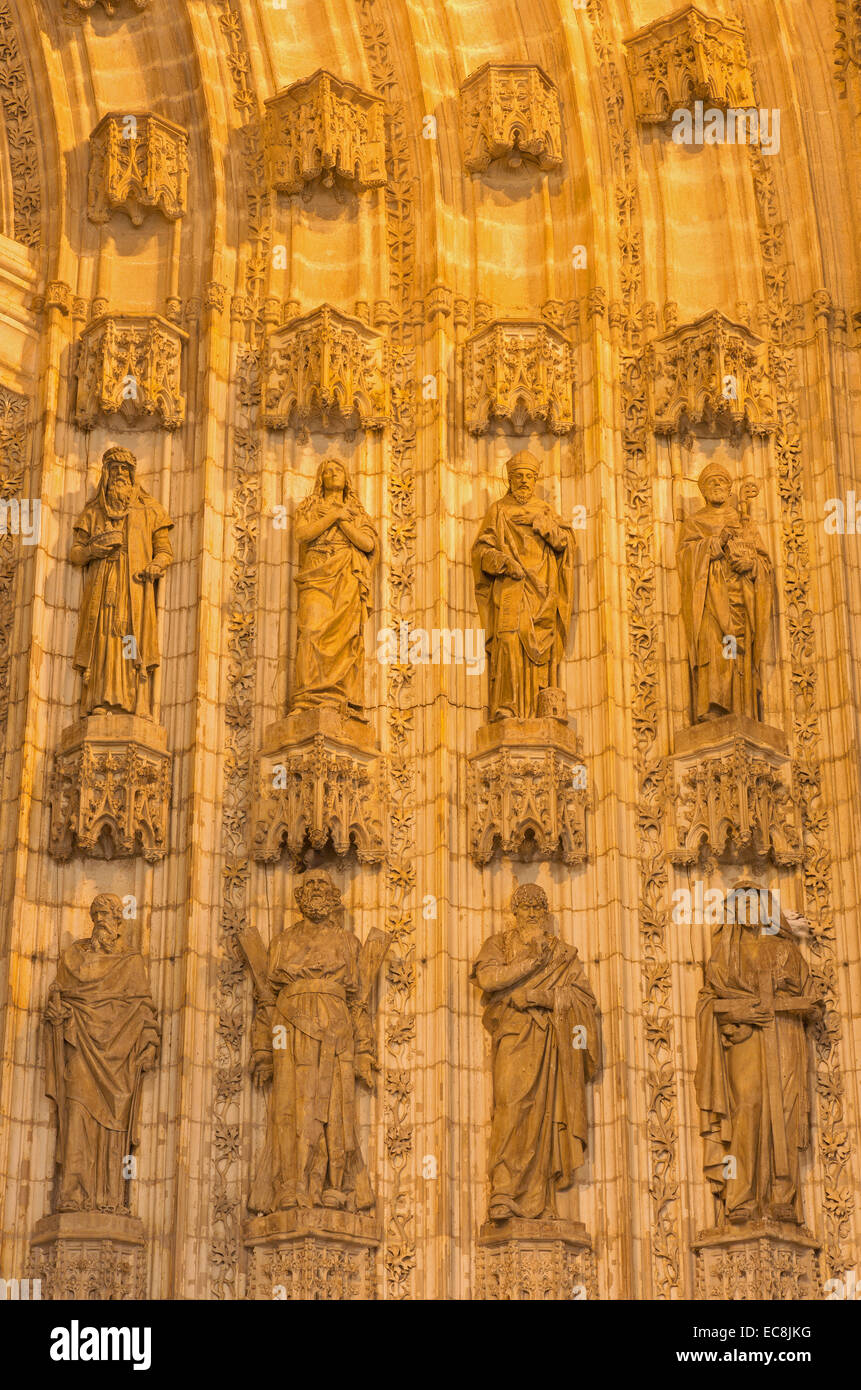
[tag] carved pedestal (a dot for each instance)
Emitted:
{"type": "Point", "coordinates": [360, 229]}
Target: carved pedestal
{"type": "Point", "coordinates": [89, 1255]}
{"type": "Point", "coordinates": [760, 1260]}
{"type": "Point", "coordinates": [528, 791]}
{"type": "Point", "coordinates": [320, 779]}
{"type": "Point", "coordinates": [311, 1254]}
{"type": "Point", "coordinates": [528, 1260]}
{"type": "Point", "coordinates": [137, 162]}
{"type": "Point", "coordinates": [110, 789]}
{"type": "Point", "coordinates": [731, 794]}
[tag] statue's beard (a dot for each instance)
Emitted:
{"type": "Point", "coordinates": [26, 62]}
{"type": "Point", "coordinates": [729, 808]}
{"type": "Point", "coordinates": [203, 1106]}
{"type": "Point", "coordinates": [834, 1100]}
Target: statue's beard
{"type": "Point", "coordinates": [118, 496]}
{"type": "Point", "coordinates": [521, 494]}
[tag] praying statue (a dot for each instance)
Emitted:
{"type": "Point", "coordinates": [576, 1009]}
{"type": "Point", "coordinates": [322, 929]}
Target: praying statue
{"type": "Point", "coordinates": [338, 549]}
{"type": "Point", "coordinates": [122, 542]}
{"type": "Point", "coordinates": [523, 568]}
{"type": "Point", "coordinates": [102, 1037]}
{"type": "Point", "coordinates": [727, 583]}
{"type": "Point", "coordinates": [543, 1021]}
{"type": "Point", "coordinates": [313, 1040]}
{"type": "Point", "coordinates": [752, 1080]}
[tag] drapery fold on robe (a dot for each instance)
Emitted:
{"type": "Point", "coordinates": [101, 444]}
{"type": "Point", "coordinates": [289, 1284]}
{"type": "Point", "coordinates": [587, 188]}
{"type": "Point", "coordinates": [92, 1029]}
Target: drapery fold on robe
{"type": "Point", "coordinates": [718, 602]}
{"type": "Point", "coordinates": [315, 974]}
{"type": "Point", "coordinates": [334, 587]}
{"type": "Point", "coordinates": [539, 1124]}
{"type": "Point", "coordinates": [102, 1006]}
{"type": "Point", "coordinates": [145, 527]}
{"type": "Point", "coordinates": [737, 1101]}
{"type": "Point", "coordinates": [525, 621]}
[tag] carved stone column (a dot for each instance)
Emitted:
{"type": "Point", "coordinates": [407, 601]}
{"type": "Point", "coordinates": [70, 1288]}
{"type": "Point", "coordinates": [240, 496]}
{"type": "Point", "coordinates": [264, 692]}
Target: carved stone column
{"type": "Point", "coordinates": [528, 790]}
{"type": "Point", "coordinates": [110, 789]}
{"type": "Point", "coordinates": [320, 781]}
{"type": "Point", "coordinates": [299, 1255]}
{"type": "Point", "coordinates": [730, 794]}
{"type": "Point", "coordinates": [528, 1260]}
{"type": "Point", "coordinates": [89, 1256]}
{"type": "Point", "coordinates": [762, 1260]}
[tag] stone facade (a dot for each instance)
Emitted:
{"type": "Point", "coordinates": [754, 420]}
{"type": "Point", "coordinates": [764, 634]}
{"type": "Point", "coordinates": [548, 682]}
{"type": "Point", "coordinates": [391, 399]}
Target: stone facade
{"type": "Point", "coordinates": [496, 245]}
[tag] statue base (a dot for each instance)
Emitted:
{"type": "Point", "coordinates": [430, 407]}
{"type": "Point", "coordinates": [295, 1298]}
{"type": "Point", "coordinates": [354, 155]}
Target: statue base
{"type": "Point", "coordinates": [758, 1260]}
{"type": "Point", "coordinates": [520, 1260]}
{"type": "Point", "coordinates": [731, 795]}
{"type": "Point", "coordinates": [528, 791]}
{"type": "Point", "coordinates": [320, 780]}
{"type": "Point", "coordinates": [110, 789]}
{"type": "Point", "coordinates": [311, 1253]}
{"type": "Point", "coordinates": [89, 1256]}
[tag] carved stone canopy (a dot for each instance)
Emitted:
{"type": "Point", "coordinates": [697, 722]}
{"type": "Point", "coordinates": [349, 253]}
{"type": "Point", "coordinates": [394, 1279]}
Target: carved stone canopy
{"type": "Point", "coordinates": [137, 162]}
{"type": "Point", "coordinates": [685, 58]}
{"type": "Point", "coordinates": [320, 782]}
{"type": "Point", "coordinates": [527, 792]}
{"type": "Point", "coordinates": [711, 372]}
{"type": "Point", "coordinates": [323, 127]}
{"type": "Point", "coordinates": [730, 795]}
{"type": "Point", "coordinates": [329, 365]}
{"type": "Point", "coordinates": [519, 371]}
{"type": "Point", "coordinates": [511, 111]}
{"type": "Point", "coordinates": [110, 789]}
{"type": "Point", "coordinates": [130, 365]}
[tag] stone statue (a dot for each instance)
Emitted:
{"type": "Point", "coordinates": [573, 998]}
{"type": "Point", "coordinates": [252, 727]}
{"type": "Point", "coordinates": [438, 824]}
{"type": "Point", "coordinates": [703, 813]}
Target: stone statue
{"type": "Point", "coordinates": [727, 582]}
{"type": "Point", "coordinates": [523, 567]}
{"type": "Point", "coordinates": [752, 1082]}
{"type": "Point", "coordinates": [543, 1021]}
{"type": "Point", "coordinates": [103, 1035]}
{"type": "Point", "coordinates": [122, 542]}
{"type": "Point", "coordinates": [313, 1038]}
{"type": "Point", "coordinates": [338, 548]}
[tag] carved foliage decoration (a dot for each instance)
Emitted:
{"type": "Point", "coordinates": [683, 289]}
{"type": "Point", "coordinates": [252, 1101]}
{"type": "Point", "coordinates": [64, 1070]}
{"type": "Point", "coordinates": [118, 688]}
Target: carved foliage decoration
{"type": "Point", "coordinates": [326, 364]}
{"type": "Point", "coordinates": [13, 444]}
{"type": "Point", "coordinates": [323, 792]}
{"type": "Point", "coordinates": [21, 135]}
{"type": "Point", "coordinates": [88, 1256]}
{"type": "Point", "coordinates": [847, 43]}
{"type": "Point", "coordinates": [773, 1262]}
{"type": "Point", "coordinates": [737, 801]}
{"type": "Point", "coordinates": [511, 111]}
{"type": "Point", "coordinates": [323, 127]}
{"type": "Point", "coordinates": [132, 366]}
{"type": "Point", "coordinates": [109, 797]}
{"type": "Point", "coordinates": [137, 162]}
{"type": "Point", "coordinates": [711, 372]}
{"type": "Point", "coordinates": [685, 58]}
{"type": "Point", "coordinates": [526, 1270]}
{"type": "Point", "coordinates": [520, 372]}
{"type": "Point", "coordinates": [531, 802]}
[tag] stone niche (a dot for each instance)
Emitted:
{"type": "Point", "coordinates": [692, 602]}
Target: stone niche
{"type": "Point", "coordinates": [711, 372]}
{"type": "Point", "coordinates": [89, 1256]}
{"type": "Point", "coordinates": [131, 366]}
{"type": "Point", "coordinates": [731, 795]}
{"type": "Point", "coordinates": [764, 1260]}
{"type": "Point", "coordinates": [527, 789]}
{"type": "Point", "coordinates": [535, 1260]}
{"type": "Point", "coordinates": [328, 129]}
{"type": "Point", "coordinates": [519, 372]}
{"type": "Point", "coordinates": [137, 162]}
{"type": "Point", "coordinates": [110, 789]}
{"type": "Point", "coordinates": [329, 367]}
{"type": "Point", "coordinates": [321, 781]}
{"type": "Point", "coordinates": [311, 1254]}
{"type": "Point", "coordinates": [510, 112]}
{"type": "Point", "coordinates": [685, 58]}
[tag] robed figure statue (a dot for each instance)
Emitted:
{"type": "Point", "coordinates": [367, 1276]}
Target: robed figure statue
{"type": "Point", "coordinates": [338, 548]}
{"type": "Point", "coordinates": [543, 1021]}
{"type": "Point", "coordinates": [752, 1080]}
{"type": "Point", "coordinates": [727, 584]}
{"type": "Point", "coordinates": [523, 566]}
{"type": "Point", "coordinates": [313, 1040]}
{"type": "Point", "coordinates": [103, 1035]}
{"type": "Point", "coordinates": [122, 542]}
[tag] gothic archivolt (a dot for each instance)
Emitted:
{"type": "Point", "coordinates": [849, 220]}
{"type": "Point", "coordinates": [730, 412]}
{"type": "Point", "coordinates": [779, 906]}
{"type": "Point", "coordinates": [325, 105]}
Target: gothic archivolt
{"type": "Point", "coordinates": [416, 604]}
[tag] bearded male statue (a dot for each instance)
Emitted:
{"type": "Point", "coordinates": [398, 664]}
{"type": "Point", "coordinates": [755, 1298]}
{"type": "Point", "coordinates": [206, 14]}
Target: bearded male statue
{"type": "Point", "coordinates": [122, 543]}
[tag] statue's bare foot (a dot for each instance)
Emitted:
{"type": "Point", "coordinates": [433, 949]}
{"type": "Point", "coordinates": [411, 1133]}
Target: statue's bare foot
{"type": "Point", "coordinates": [333, 1198]}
